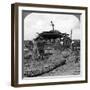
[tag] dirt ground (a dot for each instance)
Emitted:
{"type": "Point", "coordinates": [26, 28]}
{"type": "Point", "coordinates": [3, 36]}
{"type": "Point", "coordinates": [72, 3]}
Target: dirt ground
{"type": "Point", "coordinates": [67, 69]}
{"type": "Point", "coordinates": [63, 63]}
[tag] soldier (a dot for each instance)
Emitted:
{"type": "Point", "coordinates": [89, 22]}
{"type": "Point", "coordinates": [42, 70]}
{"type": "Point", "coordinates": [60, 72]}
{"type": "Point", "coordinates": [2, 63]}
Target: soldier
{"type": "Point", "coordinates": [67, 42]}
{"type": "Point", "coordinates": [40, 46]}
{"type": "Point", "coordinates": [35, 51]}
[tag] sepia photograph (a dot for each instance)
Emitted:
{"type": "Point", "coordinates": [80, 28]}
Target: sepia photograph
{"type": "Point", "coordinates": [49, 44]}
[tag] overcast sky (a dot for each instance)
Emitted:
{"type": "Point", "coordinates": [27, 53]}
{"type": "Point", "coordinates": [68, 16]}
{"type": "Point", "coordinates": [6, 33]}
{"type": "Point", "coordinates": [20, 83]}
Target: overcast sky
{"type": "Point", "coordinates": [38, 22]}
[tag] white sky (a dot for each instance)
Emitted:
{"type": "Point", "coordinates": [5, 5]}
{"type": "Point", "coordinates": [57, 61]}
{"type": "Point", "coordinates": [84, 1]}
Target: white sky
{"type": "Point", "coordinates": [38, 22]}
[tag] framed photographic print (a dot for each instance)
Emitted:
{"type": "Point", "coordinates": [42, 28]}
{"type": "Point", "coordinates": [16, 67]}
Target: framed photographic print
{"type": "Point", "coordinates": [48, 44]}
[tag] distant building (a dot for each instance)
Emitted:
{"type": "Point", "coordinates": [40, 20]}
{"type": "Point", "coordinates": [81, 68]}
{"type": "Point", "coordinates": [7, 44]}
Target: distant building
{"type": "Point", "coordinates": [52, 38]}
